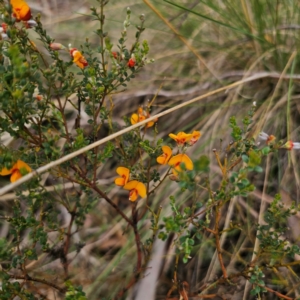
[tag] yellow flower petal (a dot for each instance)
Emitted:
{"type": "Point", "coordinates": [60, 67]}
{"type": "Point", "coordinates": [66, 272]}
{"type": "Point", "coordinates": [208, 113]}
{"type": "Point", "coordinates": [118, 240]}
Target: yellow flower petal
{"type": "Point", "coordinates": [196, 134]}
{"type": "Point", "coordinates": [124, 173]}
{"type": "Point", "coordinates": [150, 124]}
{"type": "Point", "coordinates": [134, 119]}
{"type": "Point", "coordinates": [181, 137]}
{"type": "Point", "coordinates": [15, 176]}
{"type": "Point", "coordinates": [122, 170]}
{"type": "Point", "coordinates": [178, 159]}
{"type": "Point", "coordinates": [173, 136]}
{"type": "Point", "coordinates": [79, 59]}
{"type": "Point", "coordinates": [5, 171]}
{"type": "Point", "coordinates": [161, 159]}
{"type": "Point", "coordinates": [136, 188]}
{"type": "Point", "coordinates": [22, 167]}
{"type": "Point", "coordinates": [131, 185]}
{"type": "Point", "coordinates": [120, 181]}
{"type": "Point", "coordinates": [133, 195]}
{"type": "Point", "coordinates": [167, 153]}
{"type": "Point", "coordinates": [141, 188]}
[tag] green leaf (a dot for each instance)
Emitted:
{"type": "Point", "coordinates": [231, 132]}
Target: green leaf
{"type": "Point", "coordinates": [245, 158]}
{"type": "Point", "coordinates": [265, 150]}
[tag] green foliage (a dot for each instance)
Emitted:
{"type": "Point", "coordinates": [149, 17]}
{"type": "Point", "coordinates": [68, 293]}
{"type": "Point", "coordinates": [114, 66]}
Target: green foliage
{"type": "Point", "coordinates": [257, 280]}
{"type": "Point", "coordinates": [74, 293]}
{"type": "Point", "coordinates": [271, 234]}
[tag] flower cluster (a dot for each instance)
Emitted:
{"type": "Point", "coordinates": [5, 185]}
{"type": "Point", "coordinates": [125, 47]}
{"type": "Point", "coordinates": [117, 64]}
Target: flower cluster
{"type": "Point", "coordinates": [141, 116]}
{"type": "Point", "coordinates": [19, 169]}
{"type": "Point", "coordinates": [176, 161]}
{"type": "Point", "coordinates": [135, 187]}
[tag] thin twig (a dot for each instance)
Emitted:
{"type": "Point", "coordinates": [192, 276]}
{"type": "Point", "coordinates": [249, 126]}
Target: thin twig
{"type": "Point", "coordinates": [29, 278]}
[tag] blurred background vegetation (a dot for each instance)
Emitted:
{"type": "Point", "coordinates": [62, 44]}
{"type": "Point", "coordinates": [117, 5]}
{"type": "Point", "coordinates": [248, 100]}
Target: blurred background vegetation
{"type": "Point", "coordinates": [198, 46]}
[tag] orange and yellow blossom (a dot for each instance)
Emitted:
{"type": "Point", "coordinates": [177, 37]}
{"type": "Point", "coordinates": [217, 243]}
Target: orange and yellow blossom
{"type": "Point", "coordinates": [141, 116]}
{"type": "Point", "coordinates": [135, 118]}
{"type": "Point", "coordinates": [179, 159]}
{"type": "Point", "coordinates": [124, 173]}
{"type": "Point", "coordinates": [78, 58]}
{"type": "Point", "coordinates": [19, 169]}
{"type": "Point", "coordinates": [181, 137]}
{"type": "Point", "coordinates": [195, 137]}
{"type": "Point", "coordinates": [136, 188]}
{"type": "Point", "coordinates": [21, 10]}
{"type": "Point", "coordinates": [164, 158]}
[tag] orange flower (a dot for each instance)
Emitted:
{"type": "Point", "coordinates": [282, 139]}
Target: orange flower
{"type": "Point", "coordinates": [164, 158]}
{"type": "Point", "coordinates": [141, 116]}
{"type": "Point", "coordinates": [195, 137]}
{"type": "Point", "coordinates": [179, 159]}
{"type": "Point", "coordinates": [78, 58]}
{"type": "Point", "coordinates": [21, 10]}
{"type": "Point", "coordinates": [181, 137]}
{"type": "Point", "coordinates": [289, 145]}
{"type": "Point", "coordinates": [136, 188]}
{"type": "Point", "coordinates": [124, 173]}
{"type": "Point", "coordinates": [19, 169]}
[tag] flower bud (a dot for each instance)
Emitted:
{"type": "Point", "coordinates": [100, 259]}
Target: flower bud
{"type": "Point", "coordinates": [57, 46]}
